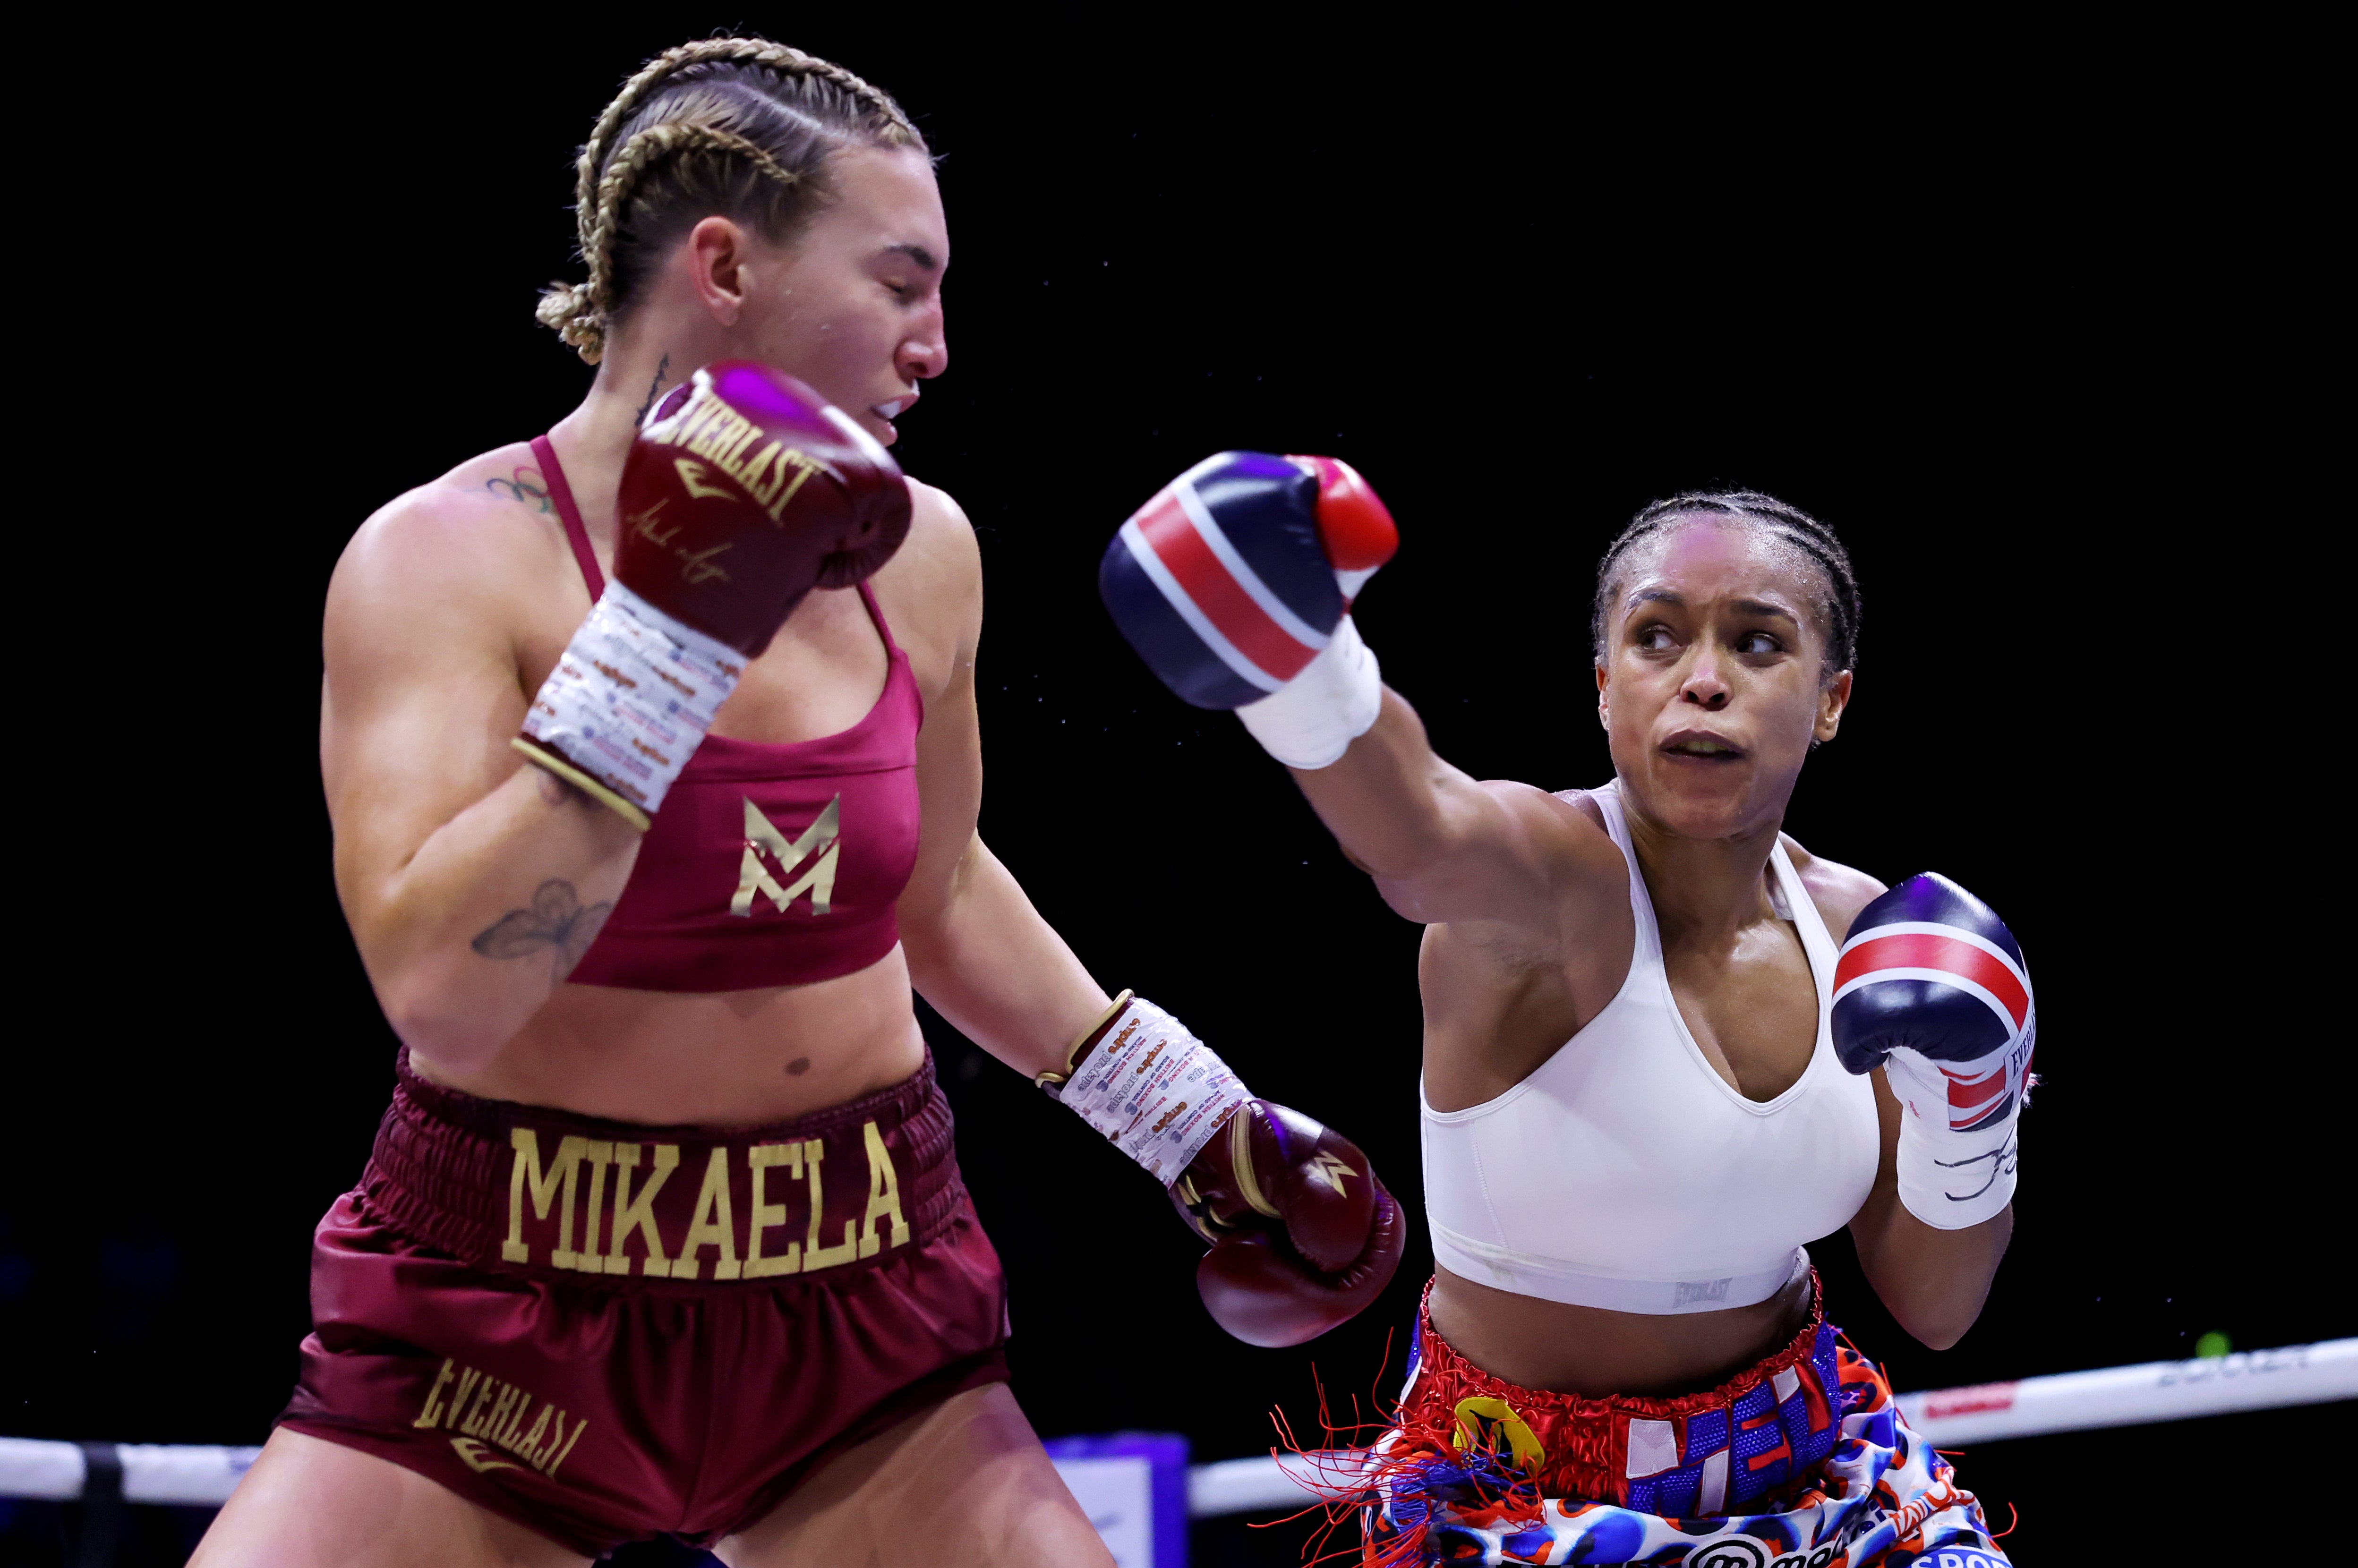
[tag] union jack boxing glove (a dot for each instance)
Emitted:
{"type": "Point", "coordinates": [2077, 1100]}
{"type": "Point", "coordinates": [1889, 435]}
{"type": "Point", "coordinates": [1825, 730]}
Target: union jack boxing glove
{"type": "Point", "coordinates": [1235, 585]}
{"type": "Point", "coordinates": [1931, 988]}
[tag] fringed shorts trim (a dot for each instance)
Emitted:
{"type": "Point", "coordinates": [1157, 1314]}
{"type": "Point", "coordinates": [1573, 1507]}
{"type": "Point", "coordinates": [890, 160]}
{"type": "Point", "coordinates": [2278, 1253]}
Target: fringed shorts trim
{"type": "Point", "coordinates": [1802, 1461]}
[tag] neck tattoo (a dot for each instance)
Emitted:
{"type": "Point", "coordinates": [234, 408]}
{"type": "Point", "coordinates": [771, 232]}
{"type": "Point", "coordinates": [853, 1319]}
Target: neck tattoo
{"type": "Point", "coordinates": [654, 387]}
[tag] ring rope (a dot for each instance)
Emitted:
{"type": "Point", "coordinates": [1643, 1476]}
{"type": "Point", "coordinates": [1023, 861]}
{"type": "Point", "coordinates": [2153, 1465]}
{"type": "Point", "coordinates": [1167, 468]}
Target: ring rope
{"type": "Point", "coordinates": [2067, 1402]}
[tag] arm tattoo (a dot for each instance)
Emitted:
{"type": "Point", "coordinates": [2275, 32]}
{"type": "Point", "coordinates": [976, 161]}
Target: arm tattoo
{"type": "Point", "coordinates": [555, 923]}
{"type": "Point", "coordinates": [663, 373]}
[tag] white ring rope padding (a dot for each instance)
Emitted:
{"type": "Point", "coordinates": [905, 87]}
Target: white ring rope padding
{"type": "Point", "coordinates": [152, 1471]}
{"type": "Point", "coordinates": [2067, 1402]}
{"type": "Point", "coordinates": [2131, 1396]}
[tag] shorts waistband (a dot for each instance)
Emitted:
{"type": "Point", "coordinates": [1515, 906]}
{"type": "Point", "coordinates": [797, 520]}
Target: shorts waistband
{"type": "Point", "coordinates": [1755, 1434]}
{"type": "Point", "coordinates": [526, 1189]}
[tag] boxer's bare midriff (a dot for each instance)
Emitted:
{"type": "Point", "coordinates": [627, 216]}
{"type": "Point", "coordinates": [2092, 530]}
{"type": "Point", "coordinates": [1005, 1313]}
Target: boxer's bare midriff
{"type": "Point", "coordinates": [707, 1059]}
{"type": "Point", "coordinates": [1592, 1352]}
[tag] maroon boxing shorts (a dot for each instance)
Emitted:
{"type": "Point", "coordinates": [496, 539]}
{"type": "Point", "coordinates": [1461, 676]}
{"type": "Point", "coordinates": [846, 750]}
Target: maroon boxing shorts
{"type": "Point", "coordinates": [606, 1331]}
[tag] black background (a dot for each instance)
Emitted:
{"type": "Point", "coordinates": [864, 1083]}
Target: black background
{"type": "Point", "coordinates": [2024, 319]}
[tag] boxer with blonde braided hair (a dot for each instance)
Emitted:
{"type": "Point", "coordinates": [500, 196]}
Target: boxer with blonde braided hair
{"type": "Point", "coordinates": [782, 111]}
{"type": "Point", "coordinates": [653, 757]}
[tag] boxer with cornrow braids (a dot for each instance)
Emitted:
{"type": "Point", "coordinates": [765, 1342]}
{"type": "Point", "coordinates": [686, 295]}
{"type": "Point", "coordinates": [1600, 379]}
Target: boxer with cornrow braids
{"type": "Point", "coordinates": [663, 150]}
{"type": "Point", "coordinates": [1665, 1046]}
{"type": "Point", "coordinates": [652, 753]}
{"type": "Point", "coordinates": [1838, 600]}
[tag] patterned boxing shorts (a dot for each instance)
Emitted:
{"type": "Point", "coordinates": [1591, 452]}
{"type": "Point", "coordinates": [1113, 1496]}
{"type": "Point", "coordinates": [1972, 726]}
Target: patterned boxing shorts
{"type": "Point", "coordinates": [1801, 1461]}
{"type": "Point", "coordinates": [606, 1331]}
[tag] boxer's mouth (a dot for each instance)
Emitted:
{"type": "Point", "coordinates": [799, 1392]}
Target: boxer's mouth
{"type": "Point", "coordinates": [894, 409]}
{"type": "Point", "coordinates": [1703, 744]}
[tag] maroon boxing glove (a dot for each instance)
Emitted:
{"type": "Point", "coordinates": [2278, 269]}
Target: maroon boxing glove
{"type": "Point", "coordinates": [1304, 1234]}
{"type": "Point", "coordinates": [746, 490]}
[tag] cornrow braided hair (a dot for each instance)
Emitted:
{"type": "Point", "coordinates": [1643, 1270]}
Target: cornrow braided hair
{"type": "Point", "coordinates": [1838, 600]}
{"type": "Point", "coordinates": [743, 126]}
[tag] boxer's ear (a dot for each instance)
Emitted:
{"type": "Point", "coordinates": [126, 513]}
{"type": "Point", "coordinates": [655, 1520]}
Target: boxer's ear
{"type": "Point", "coordinates": [1830, 703]}
{"type": "Point", "coordinates": [715, 254]}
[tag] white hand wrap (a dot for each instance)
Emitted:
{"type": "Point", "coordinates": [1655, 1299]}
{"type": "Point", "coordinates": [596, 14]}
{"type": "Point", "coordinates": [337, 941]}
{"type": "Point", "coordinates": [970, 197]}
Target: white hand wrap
{"type": "Point", "coordinates": [1153, 1089]}
{"type": "Point", "coordinates": [1312, 720]}
{"type": "Point", "coordinates": [628, 701]}
{"type": "Point", "coordinates": [1952, 1179]}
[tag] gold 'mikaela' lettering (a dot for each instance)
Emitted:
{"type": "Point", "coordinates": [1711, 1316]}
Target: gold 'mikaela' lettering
{"type": "Point", "coordinates": [761, 1158]}
{"type": "Point", "coordinates": [711, 1226]}
{"type": "Point", "coordinates": [639, 1213]}
{"type": "Point", "coordinates": [544, 1182]}
{"type": "Point", "coordinates": [815, 1257]}
{"type": "Point", "coordinates": [883, 1197]}
{"type": "Point", "coordinates": [462, 1400]}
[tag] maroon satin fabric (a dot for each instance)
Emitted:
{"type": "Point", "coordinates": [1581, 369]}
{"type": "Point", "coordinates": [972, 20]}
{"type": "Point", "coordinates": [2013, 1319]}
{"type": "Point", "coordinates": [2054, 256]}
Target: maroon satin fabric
{"type": "Point", "coordinates": [678, 926]}
{"type": "Point", "coordinates": [598, 1405]}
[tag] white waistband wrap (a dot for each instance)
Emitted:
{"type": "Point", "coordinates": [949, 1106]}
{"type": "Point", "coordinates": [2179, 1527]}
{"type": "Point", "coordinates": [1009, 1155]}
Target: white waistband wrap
{"type": "Point", "coordinates": [1311, 720]}
{"type": "Point", "coordinates": [1154, 1090]}
{"type": "Point", "coordinates": [632, 695]}
{"type": "Point", "coordinates": [1552, 1281]}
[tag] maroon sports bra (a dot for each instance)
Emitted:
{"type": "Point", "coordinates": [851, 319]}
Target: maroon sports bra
{"type": "Point", "coordinates": [767, 865]}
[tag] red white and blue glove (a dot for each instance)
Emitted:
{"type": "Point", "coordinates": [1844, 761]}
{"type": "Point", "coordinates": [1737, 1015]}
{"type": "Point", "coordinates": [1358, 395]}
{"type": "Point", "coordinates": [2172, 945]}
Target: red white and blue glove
{"type": "Point", "coordinates": [1303, 1236]}
{"type": "Point", "coordinates": [1235, 585]}
{"type": "Point", "coordinates": [1931, 988]}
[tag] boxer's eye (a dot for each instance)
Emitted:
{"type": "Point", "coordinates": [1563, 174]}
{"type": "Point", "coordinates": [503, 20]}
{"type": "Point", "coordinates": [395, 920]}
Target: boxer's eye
{"type": "Point", "coordinates": [1758, 642]}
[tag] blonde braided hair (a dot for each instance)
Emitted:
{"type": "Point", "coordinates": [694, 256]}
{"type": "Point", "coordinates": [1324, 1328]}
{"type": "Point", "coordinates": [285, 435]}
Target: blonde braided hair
{"type": "Point", "coordinates": [606, 178]}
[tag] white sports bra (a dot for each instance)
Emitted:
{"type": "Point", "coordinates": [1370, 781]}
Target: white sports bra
{"type": "Point", "coordinates": [1626, 1174]}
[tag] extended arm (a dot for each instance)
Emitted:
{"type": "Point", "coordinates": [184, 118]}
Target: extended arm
{"type": "Point", "coordinates": [1441, 845]}
{"type": "Point", "coordinates": [1235, 583]}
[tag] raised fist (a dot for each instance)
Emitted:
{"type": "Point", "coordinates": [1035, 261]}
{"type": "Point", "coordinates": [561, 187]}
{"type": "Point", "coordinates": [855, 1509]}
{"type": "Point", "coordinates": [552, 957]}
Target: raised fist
{"type": "Point", "coordinates": [745, 490]}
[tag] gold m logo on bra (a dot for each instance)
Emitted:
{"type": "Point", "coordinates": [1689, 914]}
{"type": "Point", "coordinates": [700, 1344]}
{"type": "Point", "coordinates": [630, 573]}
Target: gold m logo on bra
{"type": "Point", "coordinates": [818, 845]}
